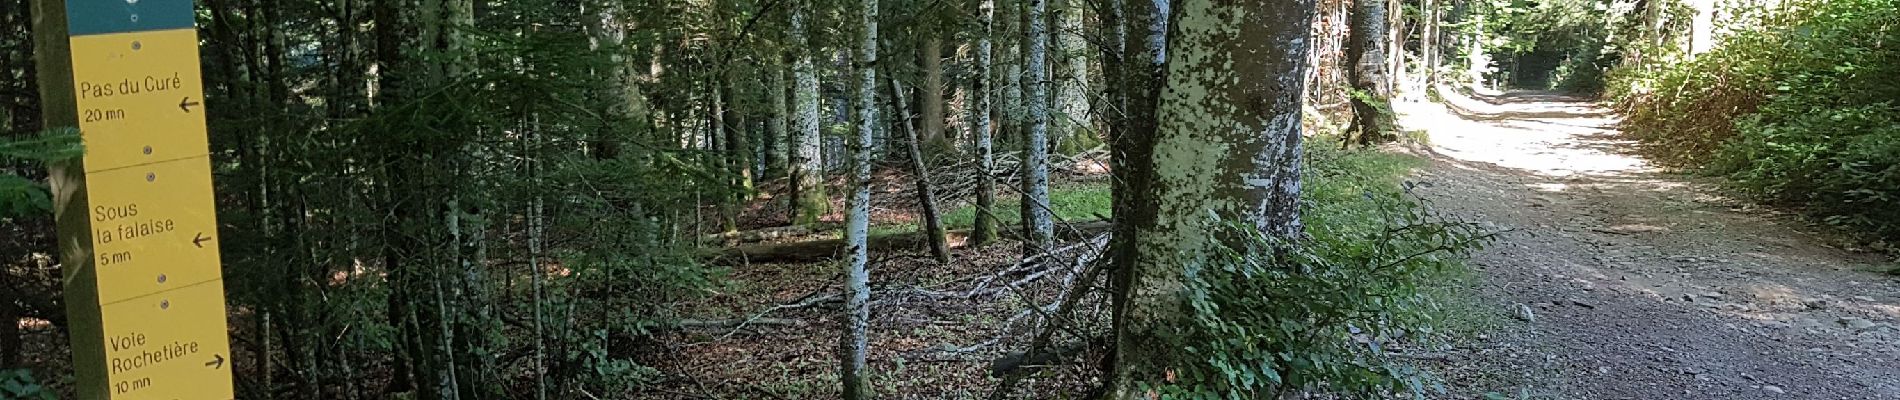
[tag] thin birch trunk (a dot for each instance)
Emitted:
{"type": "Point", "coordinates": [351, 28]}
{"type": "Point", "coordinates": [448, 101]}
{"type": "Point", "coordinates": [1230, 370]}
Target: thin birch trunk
{"type": "Point", "coordinates": [985, 230]}
{"type": "Point", "coordinates": [857, 308]}
{"type": "Point", "coordinates": [926, 196]}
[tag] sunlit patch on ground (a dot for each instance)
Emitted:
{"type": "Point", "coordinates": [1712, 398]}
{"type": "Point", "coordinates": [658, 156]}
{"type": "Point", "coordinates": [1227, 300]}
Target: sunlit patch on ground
{"type": "Point", "coordinates": [1551, 135]}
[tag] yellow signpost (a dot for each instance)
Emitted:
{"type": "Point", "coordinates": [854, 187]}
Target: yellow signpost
{"type": "Point", "coordinates": [144, 283]}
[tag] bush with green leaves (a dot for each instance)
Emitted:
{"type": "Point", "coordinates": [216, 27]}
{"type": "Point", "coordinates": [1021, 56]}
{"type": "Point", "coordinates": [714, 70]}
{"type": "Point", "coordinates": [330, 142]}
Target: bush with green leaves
{"type": "Point", "coordinates": [1802, 108]}
{"type": "Point", "coordinates": [20, 196]}
{"type": "Point", "coordinates": [20, 384]}
{"type": "Point", "coordinates": [1324, 313]}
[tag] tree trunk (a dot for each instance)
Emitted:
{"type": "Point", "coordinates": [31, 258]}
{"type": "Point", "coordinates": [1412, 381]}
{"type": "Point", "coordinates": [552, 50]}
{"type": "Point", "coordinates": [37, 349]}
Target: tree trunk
{"type": "Point", "coordinates": [926, 197]}
{"type": "Point", "coordinates": [1070, 129]}
{"type": "Point", "coordinates": [857, 311]}
{"type": "Point", "coordinates": [932, 92]}
{"type": "Point", "coordinates": [777, 131]}
{"type": "Point", "coordinates": [808, 166]}
{"type": "Point", "coordinates": [985, 224]}
{"type": "Point", "coordinates": [1140, 76]}
{"type": "Point", "coordinates": [1228, 144]}
{"type": "Point", "coordinates": [1428, 44]}
{"type": "Point", "coordinates": [1013, 108]}
{"type": "Point", "coordinates": [738, 144]}
{"type": "Point", "coordinates": [1038, 226]}
{"type": "Point", "coordinates": [1395, 34]}
{"type": "Point", "coordinates": [1366, 52]}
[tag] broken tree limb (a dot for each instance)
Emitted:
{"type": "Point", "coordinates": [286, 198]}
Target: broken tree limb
{"type": "Point", "coordinates": [737, 323]}
{"type": "Point", "coordinates": [821, 250]}
{"type": "Point", "coordinates": [766, 234]}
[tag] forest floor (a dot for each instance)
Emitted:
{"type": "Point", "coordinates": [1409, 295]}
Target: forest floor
{"type": "Point", "coordinates": [1620, 280]}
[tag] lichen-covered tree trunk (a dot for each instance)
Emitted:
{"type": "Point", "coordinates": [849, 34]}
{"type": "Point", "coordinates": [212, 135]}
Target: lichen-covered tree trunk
{"type": "Point", "coordinates": [1227, 149]}
{"type": "Point", "coordinates": [1014, 108]}
{"type": "Point", "coordinates": [808, 165]}
{"type": "Point", "coordinates": [1038, 227]}
{"type": "Point", "coordinates": [857, 311]}
{"type": "Point", "coordinates": [984, 231]}
{"type": "Point", "coordinates": [1365, 49]}
{"type": "Point", "coordinates": [1070, 130]}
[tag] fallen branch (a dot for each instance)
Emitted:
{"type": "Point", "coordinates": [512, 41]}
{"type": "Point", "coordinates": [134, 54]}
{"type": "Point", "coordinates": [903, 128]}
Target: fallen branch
{"type": "Point", "coordinates": [1071, 294]}
{"type": "Point", "coordinates": [766, 234]}
{"type": "Point", "coordinates": [822, 250]}
{"type": "Point", "coordinates": [722, 323]}
{"type": "Point", "coordinates": [810, 300]}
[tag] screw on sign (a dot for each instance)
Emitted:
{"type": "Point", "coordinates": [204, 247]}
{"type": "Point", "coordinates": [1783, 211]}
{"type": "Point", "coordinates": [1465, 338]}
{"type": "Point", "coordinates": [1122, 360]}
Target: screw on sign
{"type": "Point", "coordinates": [147, 318]}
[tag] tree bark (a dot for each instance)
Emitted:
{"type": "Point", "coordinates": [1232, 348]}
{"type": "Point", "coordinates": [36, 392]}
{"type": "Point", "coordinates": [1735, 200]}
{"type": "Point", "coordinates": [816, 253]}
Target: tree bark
{"type": "Point", "coordinates": [808, 166]}
{"type": "Point", "coordinates": [1428, 44]}
{"type": "Point", "coordinates": [1227, 149]}
{"type": "Point", "coordinates": [932, 92]}
{"type": "Point", "coordinates": [1395, 34]}
{"type": "Point", "coordinates": [985, 224]}
{"type": "Point", "coordinates": [857, 311]}
{"type": "Point", "coordinates": [778, 132]}
{"type": "Point", "coordinates": [1038, 225]}
{"type": "Point", "coordinates": [1142, 70]}
{"type": "Point", "coordinates": [1070, 130]}
{"type": "Point", "coordinates": [1366, 51]}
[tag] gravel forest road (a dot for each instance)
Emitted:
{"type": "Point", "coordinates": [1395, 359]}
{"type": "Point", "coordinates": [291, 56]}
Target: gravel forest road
{"type": "Point", "coordinates": [1623, 281]}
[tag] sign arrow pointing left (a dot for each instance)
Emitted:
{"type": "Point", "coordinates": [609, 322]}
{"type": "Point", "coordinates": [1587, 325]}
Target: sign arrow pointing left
{"type": "Point", "coordinates": [187, 104]}
{"type": "Point", "coordinates": [199, 240]}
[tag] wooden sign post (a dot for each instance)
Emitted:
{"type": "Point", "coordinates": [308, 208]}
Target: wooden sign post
{"type": "Point", "coordinates": [137, 223]}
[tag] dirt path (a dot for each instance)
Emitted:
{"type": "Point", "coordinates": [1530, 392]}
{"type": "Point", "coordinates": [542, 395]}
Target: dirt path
{"type": "Point", "coordinates": [1641, 284]}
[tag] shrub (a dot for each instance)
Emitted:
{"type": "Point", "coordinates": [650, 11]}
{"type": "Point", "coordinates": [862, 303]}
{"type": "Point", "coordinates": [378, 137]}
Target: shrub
{"type": "Point", "coordinates": [1802, 109]}
{"type": "Point", "coordinates": [1323, 313]}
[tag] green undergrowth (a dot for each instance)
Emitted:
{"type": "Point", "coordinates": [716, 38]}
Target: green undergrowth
{"type": "Point", "coordinates": [1381, 274]}
{"type": "Point", "coordinates": [1378, 275]}
{"type": "Point", "coordinates": [1800, 108]}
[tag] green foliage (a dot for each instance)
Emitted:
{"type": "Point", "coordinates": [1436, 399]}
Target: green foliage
{"type": "Point", "coordinates": [19, 196]}
{"type": "Point", "coordinates": [1803, 109]}
{"type": "Point", "coordinates": [1557, 44]}
{"type": "Point", "coordinates": [20, 384]}
{"type": "Point", "coordinates": [1323, 312]}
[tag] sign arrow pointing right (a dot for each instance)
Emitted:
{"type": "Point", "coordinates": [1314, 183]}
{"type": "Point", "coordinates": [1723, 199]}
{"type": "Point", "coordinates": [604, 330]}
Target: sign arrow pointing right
{"type": "Point", "coordinates": [217, 361]}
